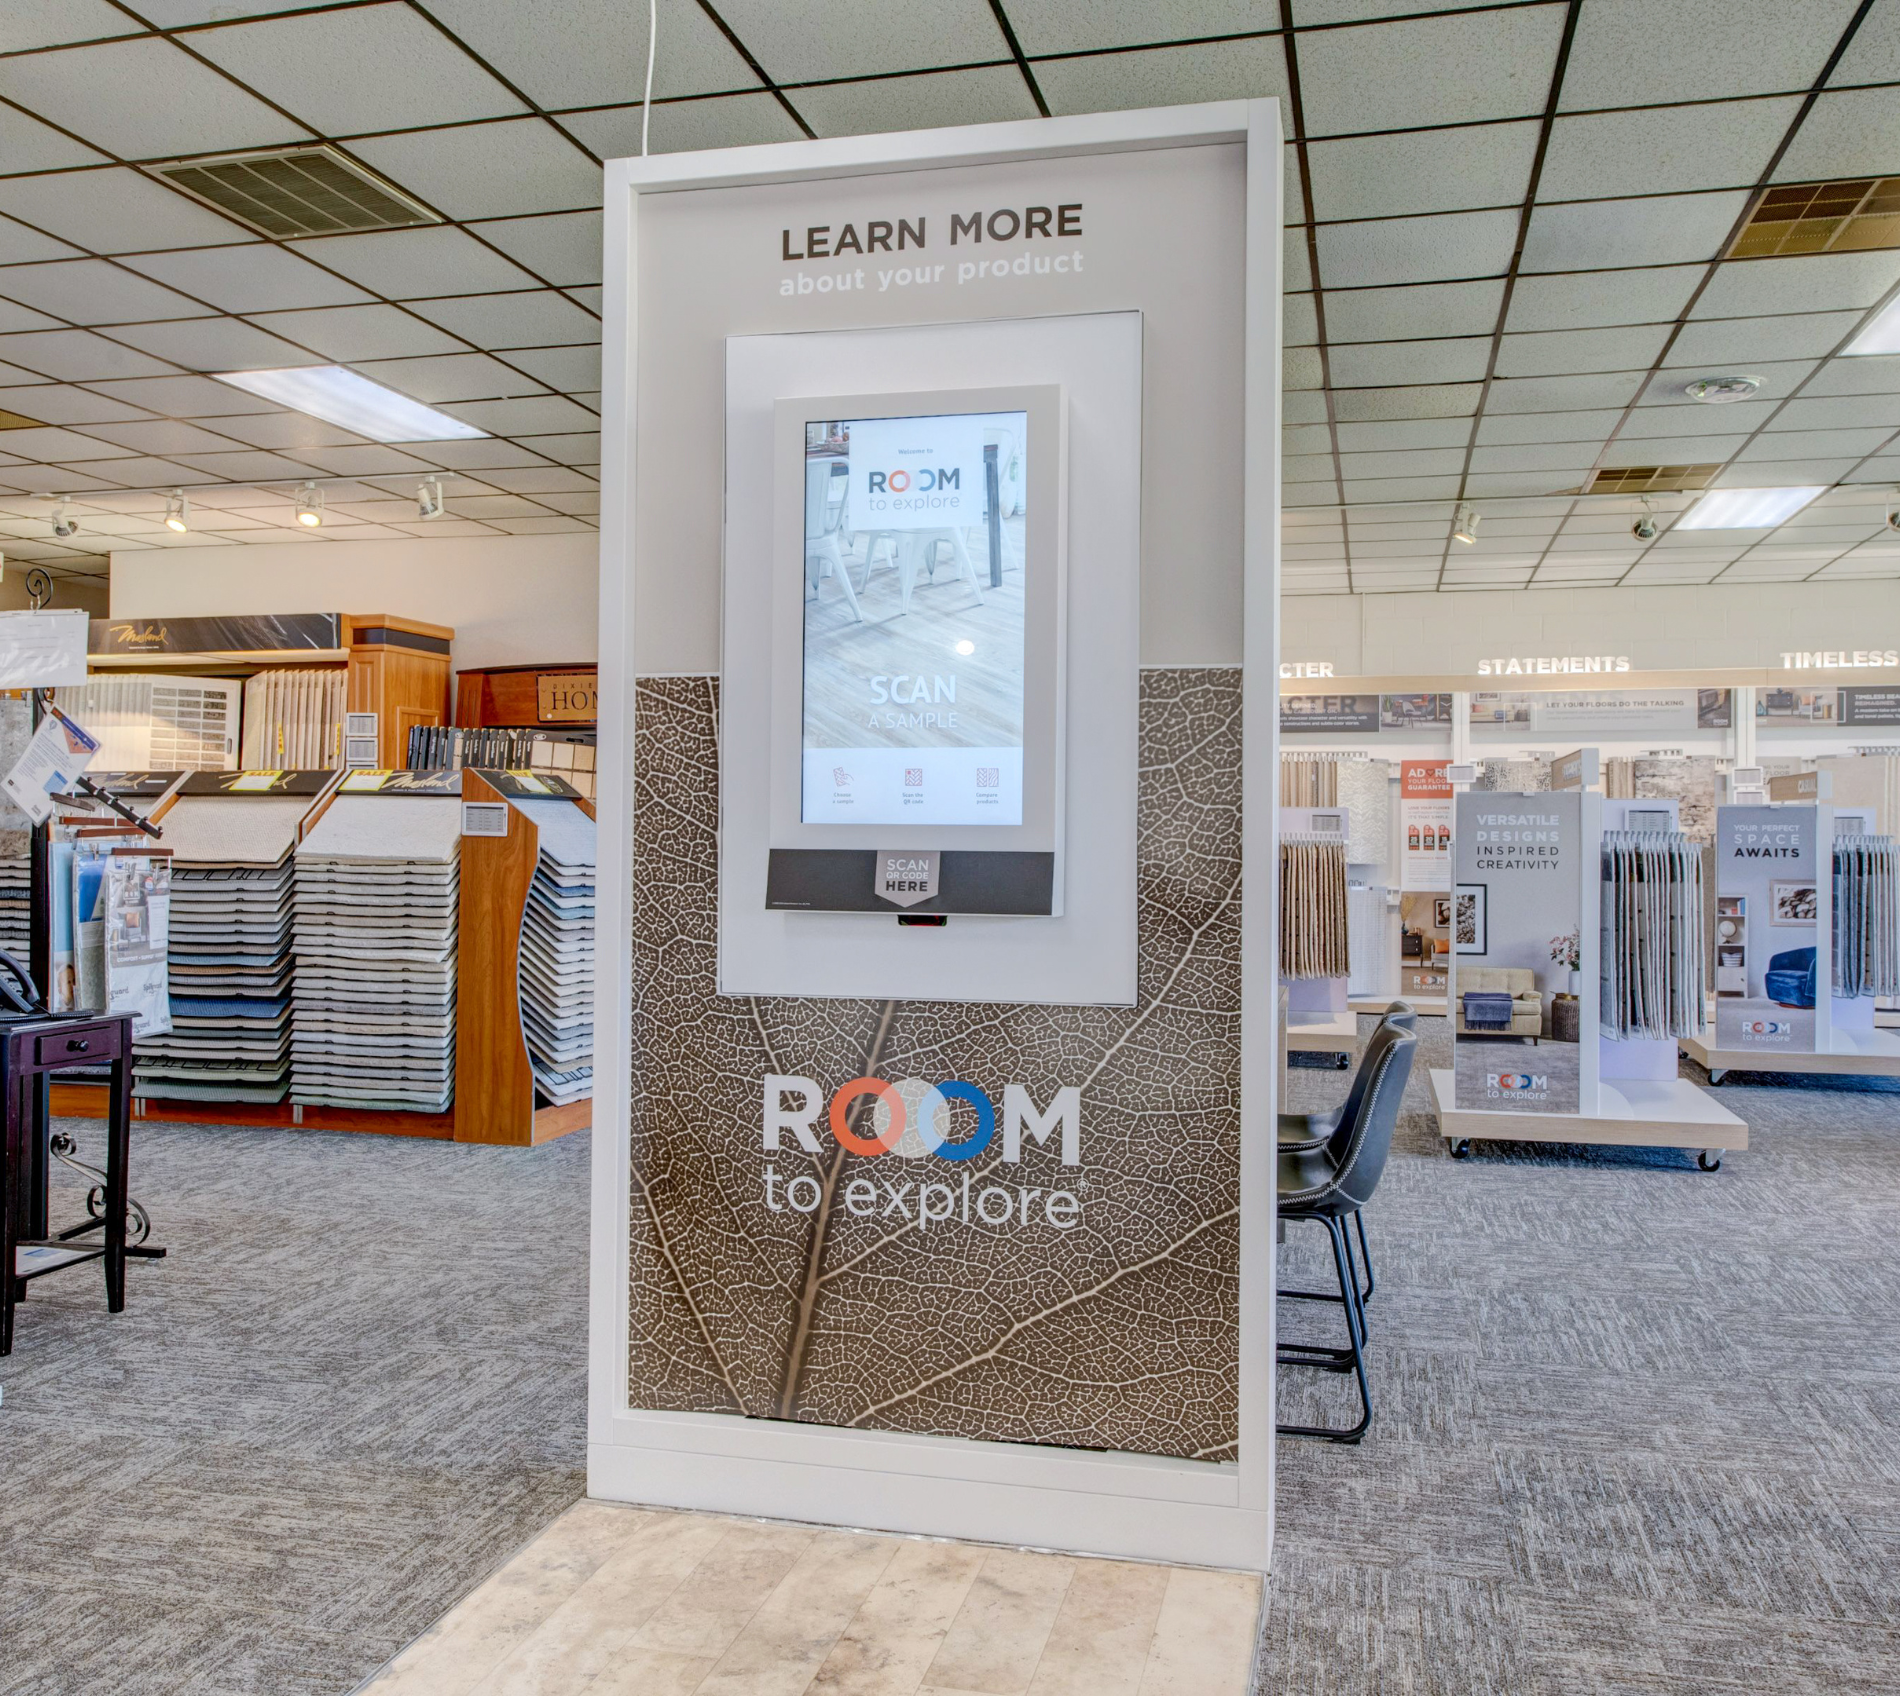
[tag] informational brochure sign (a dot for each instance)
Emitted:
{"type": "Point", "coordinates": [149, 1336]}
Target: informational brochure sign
{"type": "Point", "coordinates": [58, 753]}
{"type": "Point", "coordinates": [1309, 715]}
{"type": "Point", "coordinates": [42, 650]}
{"type": "Point", "coordinates": [913, 655]}
{"type": "Point", "coordinates": [1517, 916]}
{"type": "Point", "coordinates": [1606, 713]}
{"type": "Point", "coordinates": [1871, 707]}
{"type": "Point", "coordinates": [1424, 826]}
{"type": "Point", "coordinates": [1769, 902]}
{"type": "Point", "coordinates": [137, 933]}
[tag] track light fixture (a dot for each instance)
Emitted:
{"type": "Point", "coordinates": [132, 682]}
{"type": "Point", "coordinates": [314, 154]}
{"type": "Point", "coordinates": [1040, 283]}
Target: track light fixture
{"type": "Point", "coordinates": [177, 512]}
{"type": "Point", "coordinates": [429, 498]}
{"type": "Point", "coordinates": [64, 524]}
{"type": "Point", "coordinates": [1467, 527]}
{"type": "Point", "coordinates": [310, 506]}
{"type": "Point", "coordinates": [1644, 529]}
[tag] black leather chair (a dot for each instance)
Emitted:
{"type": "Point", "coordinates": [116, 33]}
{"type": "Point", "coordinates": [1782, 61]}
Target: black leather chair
{"type": "Point", "coordinates": [1313, 1130]}
{"type": "Point", "coordinates": [1329, 1184]}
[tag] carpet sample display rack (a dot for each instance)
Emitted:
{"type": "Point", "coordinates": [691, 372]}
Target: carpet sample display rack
{"type": "Point", "coordinates": [1315, 936]}
{"type": "Point", "coordinates": [524, 1060]}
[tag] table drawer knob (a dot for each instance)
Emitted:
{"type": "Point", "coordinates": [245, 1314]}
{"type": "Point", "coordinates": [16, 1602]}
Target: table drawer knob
{"type": "Point", "coordinates": [77, 1045]}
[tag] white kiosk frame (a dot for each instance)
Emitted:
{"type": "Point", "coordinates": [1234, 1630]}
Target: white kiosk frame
{"type": "Point", "coordinates": [1115, 1504]}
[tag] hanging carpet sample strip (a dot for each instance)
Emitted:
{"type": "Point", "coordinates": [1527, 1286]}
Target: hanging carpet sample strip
{"type": "Point", "coordinates": [1866, 916]}
{"type": "Point", "coordinates": [557, 953]}
{"type": "Point", "coordinates": [1368, 924]}
{"type": "Point", "coordinates": [1653, 975]}
{"type": "Point", "coordinates": [373, 1008]}
{"type": "Point", "coordinates": [229, 968]}
{"type": "Point", "coordinates": [1309, 780]}
{"type": "Point", "coordinates": [293, 719]}
{"type": "Point", "coordinates": [1313, 934]}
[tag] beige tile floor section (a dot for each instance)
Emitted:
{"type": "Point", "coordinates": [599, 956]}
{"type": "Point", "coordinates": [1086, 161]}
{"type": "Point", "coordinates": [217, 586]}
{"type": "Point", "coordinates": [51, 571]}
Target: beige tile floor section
{"type": "Point", "coordinates": [621, 1601]}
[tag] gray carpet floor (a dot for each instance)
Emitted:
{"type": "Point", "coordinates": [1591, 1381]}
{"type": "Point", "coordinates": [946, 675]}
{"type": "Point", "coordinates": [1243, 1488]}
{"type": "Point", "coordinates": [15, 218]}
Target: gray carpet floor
{"type": "Point", "coordinates": [1637, 1426]}
{"type": "Point", "coordinates": [355, 1387]}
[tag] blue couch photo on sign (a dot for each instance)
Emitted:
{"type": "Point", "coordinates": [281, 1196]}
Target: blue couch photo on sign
{"type": "Point", "coordinates": [1790, 978]}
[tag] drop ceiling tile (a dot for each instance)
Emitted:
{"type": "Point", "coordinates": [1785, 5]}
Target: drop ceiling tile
{"type": "Point", "coordinates": [1663, 150]}
{"type": "Point", "coordinates": [1303, 408]}
{"type": "Point", "coordinates": [446, 529]}
{"type": "Point", "coordinates": [1166, 76]}
{"type": "Point", "coordinates": [1306, 438]}
{"type": "Point", "coordinates": [1373, 364]}
{"type": "Point", "coordinates": [134, 471]}
{"type": "Point", "coordinates": [254, 277]}
{"type": "Point", "coordinates": [1499, 429]}
{"type": "Point", "coordinates": [1531, 456]}
{"type": "Point", "coordinates": [186, 397]}
{"type": "Point", "coordinates": [547, 525]}
{"type": "Point", "coordinates": [579, 448]}
{"type": "Point", "coordinates": [680, 126]}
{"type": "Point", "coordinates": [995, 95]}
{"type": "Point", "coordinates": [161, 436]}
{"type": "Point", "coordinates": [406, 264]}
{"type": "Point", "coordinates": [1748, 341]}
{"type": "Point", "coordinates": [550, 480]}
{"type": "Point", "coordinates": [1782, 473]}
{"type": "Point", "coordinates": [1627, 51]}
{"type": "Point", "coordinates": [29, 479]}
{"type": "Point", "coordinates": [1454, 400]}
{"type": "Point", "coordinates": [500, 170]}
{"type": "Point", "coordinates": [1306, 468]}
{"type": "Point", "coordinates": [1556, 353]}
{"type": "Point", "coordinates": [371, 460]}
{"type": "Point", "coordinates": [534, 415]}
{"type": "Point", "coordinates": [1300, 368]}
{"type": "Point", "coordinates": [1867, 375]}
{"type": "Point", "coordinates": [1407, 433]}
{"type": "Point", "coordinates": [57, 446]}
{"type": "Point", "coordinates": [484, 456]}
{"type": "Point", "coordinates": [26, 24]}
{"type": "Point", "coordinates": [1299, 322]}
{"type": "Point", "coordinates": [594, 299]}
{"type": "Point", "coordinates": [564, 249]}
{"type": "Point", "coordinates": [1845, 135]}
{"type": "Point", "coordinates": [76, 356]}
{"type": "Point", "coordinates": [564, 369]}
{"type": "Point", "coordinates": [1296, 271]}
{"type": "Point", "coordinates": [1460, 68]}
{"type": "Point", "coordinates": [143, 98]}
{"type": "Point", "coordinates": [1830, 413]}
{"type": "Point", "coordinates": [495, 506]}
{"type": "Point", "coordinates": [215, 344]}
{"type": "Point", "coordinates": [60, 403]}
{"type": "Point", "coordinates": [1402, 489]}
{"type": "Point", "coordinates": [1561, 394]}
{"type": "Point", "coordinates": [13, 316]}
{"type": "Point", "coordinates": [539, 318]}
{"type": "Point", "coordinates": [367, 68]}
{"type": "Point", "coordinates": [110, 211]}
{"type": "Point", "coordinates": [1818, 282]}
{"type": "Point", "coordinates": [1416, 250]}
{"type": "Point", "coordinates": [28, 145]}
{"type": "Point", "coordinates": [450, 376]}
{"type": "Point", "coordinates": [1874, 53]}
{"type": "Point", "coordinates": [1672, 450]}
{"type": "Point", "coordinates": [94, 291]}
{"type": "Point", "coordinates": [21, 246]}
{"type": "Point", "coordinates": [1385, 176]}
{"type": "Point", "coordinates": [1665, 230]}
{"type": "Point", "coordinates": [1081, 26]}
{"type": "Point", "coordinates": [248, 467]}
{"type": "Point", "coordinates": [350, 333]}
{"type": "Point", "coordinates": [1585, 299]}
{"type": "Point", "coordinates": [806, 43]}
{"type": "Point", "coordinates": [1813, 444]}
{"type": "Point", "coordinates": [1436, 309]}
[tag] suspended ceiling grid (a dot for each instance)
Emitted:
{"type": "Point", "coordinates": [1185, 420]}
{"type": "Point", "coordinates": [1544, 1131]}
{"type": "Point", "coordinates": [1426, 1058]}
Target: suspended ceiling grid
{"type": "Point", "coordinates": [1512, 212]}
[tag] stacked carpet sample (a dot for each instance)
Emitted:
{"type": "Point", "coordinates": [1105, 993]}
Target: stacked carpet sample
{"type": "Point", "coordinates": [373, 1006]}
{"type": "Point", "coordinates": [557, 953]}
{"type": "Point", "coordinates": [229, 968]}
{"type": "Point", "coordinates": [15, 890]}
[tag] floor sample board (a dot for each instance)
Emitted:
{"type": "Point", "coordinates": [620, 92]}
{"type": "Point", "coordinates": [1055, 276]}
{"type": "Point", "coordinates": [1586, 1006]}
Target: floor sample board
{"type": "Point", "coordinates": [373, 1003]}
{"type": "Point", "coordinates": [557, 953]}
{"type": "Point", "coordinates": [230, 951]}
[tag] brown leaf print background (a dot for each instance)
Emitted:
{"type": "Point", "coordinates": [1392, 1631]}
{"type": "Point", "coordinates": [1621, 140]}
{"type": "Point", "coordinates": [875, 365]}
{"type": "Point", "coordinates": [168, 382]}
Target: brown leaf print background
{"type": "Point", "coordinates": [1120, 1333]}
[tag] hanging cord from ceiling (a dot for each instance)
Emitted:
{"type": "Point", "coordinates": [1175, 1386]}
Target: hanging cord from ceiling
{"type": "Point", "coordinates": [653, 41]}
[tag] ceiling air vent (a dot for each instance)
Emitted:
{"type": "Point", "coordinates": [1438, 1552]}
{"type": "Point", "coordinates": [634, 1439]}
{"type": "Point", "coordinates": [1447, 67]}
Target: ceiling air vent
{"type": "Point", "coordinates": [1650, 479]}
{"type": "Point", "coordinates": [1822, 218]}
{"type": "Point", "coordinates": [297, 191]}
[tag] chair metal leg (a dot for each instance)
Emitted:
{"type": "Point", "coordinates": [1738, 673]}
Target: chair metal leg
{"type": "Point", "coordinates": [1351, 1358]}
{"type": "Point", "coordinates": [1359, 1220]}
{"type": "Point", "coordinates": [1364, 1291]}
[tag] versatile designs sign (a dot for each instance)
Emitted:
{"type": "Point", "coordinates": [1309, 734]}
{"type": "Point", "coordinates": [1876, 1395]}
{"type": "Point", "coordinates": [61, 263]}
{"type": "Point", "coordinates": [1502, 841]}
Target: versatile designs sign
{"type": "Point", "coordinates": [1520, 877]}
{"type": "Point", "coordinates": [1768, 907]}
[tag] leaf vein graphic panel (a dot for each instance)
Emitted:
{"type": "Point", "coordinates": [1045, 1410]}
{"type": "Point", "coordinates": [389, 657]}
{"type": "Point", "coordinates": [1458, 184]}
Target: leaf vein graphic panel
{"type": "Point", "coordinates": [1105, 1320]}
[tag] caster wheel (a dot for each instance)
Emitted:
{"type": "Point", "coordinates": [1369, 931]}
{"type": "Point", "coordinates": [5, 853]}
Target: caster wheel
{"type": "Point", "coordinates": [1717, 1077]}
{"type": "Point", "coordinates": [1709, 1159]}
{"type": "Point", "coordinates": [1342, 1063]}
{"type": "Point", "coordinates": [1461, 1149]}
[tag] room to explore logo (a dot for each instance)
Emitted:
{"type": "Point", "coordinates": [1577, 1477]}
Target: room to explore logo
{"type": "Point", "coordinates": [917, 1121]}
{"type": "Point", "coordinates": [1532, 1086]}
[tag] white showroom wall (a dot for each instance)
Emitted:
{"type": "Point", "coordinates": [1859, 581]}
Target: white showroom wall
{"type": "Point", "coordinates": [511, 600]}
{"type": "Point", "coordinates": [1660, 629]}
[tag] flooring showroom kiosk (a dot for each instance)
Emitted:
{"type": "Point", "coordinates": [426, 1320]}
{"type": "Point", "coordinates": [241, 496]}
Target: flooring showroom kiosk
{"type": "Point", "coordinates": [938, 704]}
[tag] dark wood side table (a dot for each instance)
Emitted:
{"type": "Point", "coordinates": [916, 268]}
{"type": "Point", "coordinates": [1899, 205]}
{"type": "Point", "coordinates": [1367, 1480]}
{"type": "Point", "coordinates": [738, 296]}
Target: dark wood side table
{"type": "Point", "coordinates": [32, 1049]}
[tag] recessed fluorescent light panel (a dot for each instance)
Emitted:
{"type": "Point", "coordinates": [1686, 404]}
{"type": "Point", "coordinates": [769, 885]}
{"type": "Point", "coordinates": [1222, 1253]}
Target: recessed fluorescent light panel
{"type": "Point", "coordinates": [1745, 509]}
{"type": "Point", "coordinates": [339, 396]}
{"type": "Point", "coordinates": [1882, 335]}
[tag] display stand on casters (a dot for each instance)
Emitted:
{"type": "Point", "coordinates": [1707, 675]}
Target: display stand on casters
{"type": "Point", "coordinates": [1522, 859]}
{"type": "Point", "coordinates": [1320, 1018]}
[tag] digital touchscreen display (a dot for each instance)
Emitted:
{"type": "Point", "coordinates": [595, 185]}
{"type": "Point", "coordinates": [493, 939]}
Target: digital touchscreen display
{"type": "Point", "coordinates": [915, 567]}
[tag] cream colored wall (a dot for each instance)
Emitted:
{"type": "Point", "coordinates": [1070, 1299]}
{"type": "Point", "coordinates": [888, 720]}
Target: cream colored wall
{"type": "Point", "coordinates": [1660, 629]}
{"type": "Point", "coordinates": [512, 600]}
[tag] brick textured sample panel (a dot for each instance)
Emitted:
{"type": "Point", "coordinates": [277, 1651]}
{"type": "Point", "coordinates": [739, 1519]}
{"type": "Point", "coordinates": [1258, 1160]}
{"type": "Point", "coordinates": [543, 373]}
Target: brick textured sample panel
{"type": "Point", "coordinates": [1119, 1332]}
